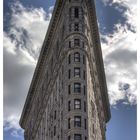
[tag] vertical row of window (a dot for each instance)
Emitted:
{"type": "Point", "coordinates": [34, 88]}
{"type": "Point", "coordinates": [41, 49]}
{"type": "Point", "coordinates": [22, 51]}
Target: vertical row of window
{"type": "Point", "coordinates": [76, 13]}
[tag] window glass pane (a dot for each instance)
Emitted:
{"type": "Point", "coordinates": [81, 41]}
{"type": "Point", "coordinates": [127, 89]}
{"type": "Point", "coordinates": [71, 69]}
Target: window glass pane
{"type": "Point", "coordinates": [77, 137]}
{"type": "Point", "coordinates": [77, 121]}
{"type": "Point", "coordinates": [77, 72]}
{"type": "Point", "coordinates": [76, 57]}
{"type": "Point", "coordinates": [69, 89]}
{"type": "Point", "coordinates": [69, 59]}
{"type": "Point", "coordinates": [77, 104]}
{"type": "Point", "coordinates": [76, 42]}
{"type": "Point", "coordinates": [76, 12]}
{"type": "Point", "coordinates": [77, 87]}
{"type": "Point", "coordinates": [69, 104]}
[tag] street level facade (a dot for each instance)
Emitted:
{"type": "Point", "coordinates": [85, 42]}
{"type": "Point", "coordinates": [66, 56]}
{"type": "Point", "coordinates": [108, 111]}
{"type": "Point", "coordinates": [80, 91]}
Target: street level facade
{"type": "Point", "coordinates": [68, 97]}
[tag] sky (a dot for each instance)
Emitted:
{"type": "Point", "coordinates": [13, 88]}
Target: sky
{"type": "Point", "coordinates": [25, 26]}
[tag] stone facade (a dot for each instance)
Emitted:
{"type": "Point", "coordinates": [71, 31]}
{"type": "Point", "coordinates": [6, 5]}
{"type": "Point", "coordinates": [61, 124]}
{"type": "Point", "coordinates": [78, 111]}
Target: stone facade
{"type": "Point", "coordinates": [68, 99]}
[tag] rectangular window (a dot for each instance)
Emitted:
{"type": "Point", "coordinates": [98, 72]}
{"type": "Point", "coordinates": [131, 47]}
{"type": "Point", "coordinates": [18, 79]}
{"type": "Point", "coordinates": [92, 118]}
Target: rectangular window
{"type": "Point", "coordinates": [76, 72]}
{"type": "Point", "coordinates": [76, 12]}
{"type": "Point", "coordinates": [83, 44]}
{"type": "Point", "coordinates": [77, 57]}
{"type": "Point", "coordinates": [54, 114]}
{"type": "Point", "coordinates": [69, 74]}
{"type": "Point", "coordinates": [69, 105]}
{"type": "Point", "coordinates": [69, 138]}
{"type": "Point", "coordinates": [77, 121]}
{"type": "Point", "coordinates": [69, 123]}
{"type": "Point", "coordinates": [84, 90]}
{"type": "Point", "coordinates": [76, 42]}
{"type": "Point", "coordinates": [69, 44]}
{"type": "Point", "coordinates": [85, 121]}
{"type": "Point", "coordinates": [77, 104]}
{"type": "Point", "coordinates": [77, 87]}
{"type": "Point", "coordinates": [69, 59]}
{"type": "Point", "coordinates": [77, 137]}
{"type": "Point", "coordinates": [69, 89]}
{"type": "Point", "coordinates": [84, 106]}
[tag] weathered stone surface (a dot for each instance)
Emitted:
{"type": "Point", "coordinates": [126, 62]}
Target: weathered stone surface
{"type": "Point", "coordinates": [64, 103]}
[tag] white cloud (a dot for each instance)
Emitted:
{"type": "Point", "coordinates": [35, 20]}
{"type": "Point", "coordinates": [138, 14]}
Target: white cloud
{"type": "Point", "coordinates": [22, 44]}
{"type": "Point", "coordinates": [119, 52]}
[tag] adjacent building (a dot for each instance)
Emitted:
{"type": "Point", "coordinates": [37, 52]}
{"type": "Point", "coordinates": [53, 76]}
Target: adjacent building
{"type": "Point", "coordinates": [68, 97]}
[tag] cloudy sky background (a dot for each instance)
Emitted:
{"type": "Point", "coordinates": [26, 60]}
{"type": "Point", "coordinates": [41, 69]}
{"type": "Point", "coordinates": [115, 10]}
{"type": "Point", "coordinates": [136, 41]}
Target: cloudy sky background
{"type": "Point", "coordinates": [25, 25]}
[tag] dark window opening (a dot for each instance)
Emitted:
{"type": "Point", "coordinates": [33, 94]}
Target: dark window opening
{"type": "Point", "coordinates": [77, 42]}
{"type": "Point", "coordinates": [54, 114]}
{"type": "Point", "coordinates": [77, 137]}
{"type": "Point", "coordinates": [69, 89]}
{"type": "Point", "coordinates": [69, 74]}
{"type": "Point", "coordinates": [69, 105]}
{"type": "Point", "coordinates": [69, 123]}
{"type": "Point", "coordinates": [85, 121]}
{"type": "Point", "coordinates": [76, 12]}
{"type": "Point", "coordinates": [69, 44]}
{"type": "Point", "coordinates": [84, 106]}
{"type": "Point", "coordinates": [77, 121]}
{"type": "Point", "coordinates": [77, 87]}
{"type": "Point", "coordinates": [69, 138]}
{"type": "Point", "coordinates": [69, 59]}
{"type": "Point", "coordinates": [84, 90]}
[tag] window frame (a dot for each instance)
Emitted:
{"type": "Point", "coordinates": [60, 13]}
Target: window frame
{"type": "Point", "coordinates": [76, 12]}
{"type": "Point", "coordinates": [77, 103]}
{"type": "Point", "coordinates": [77, 87]}
{"type": "Point", "coordinates": [79, 137]}
{"type": "Point", "coordinates": [77, 121]}
{"type": "Point", "coordinates": [78, 72]}
{"type": "Point", "coordinates": [76, 57]}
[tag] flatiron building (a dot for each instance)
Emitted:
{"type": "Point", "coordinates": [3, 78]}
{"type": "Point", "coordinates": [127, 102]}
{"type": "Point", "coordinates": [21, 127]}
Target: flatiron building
{"type": "Point", "coordinates": [68, 97]}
